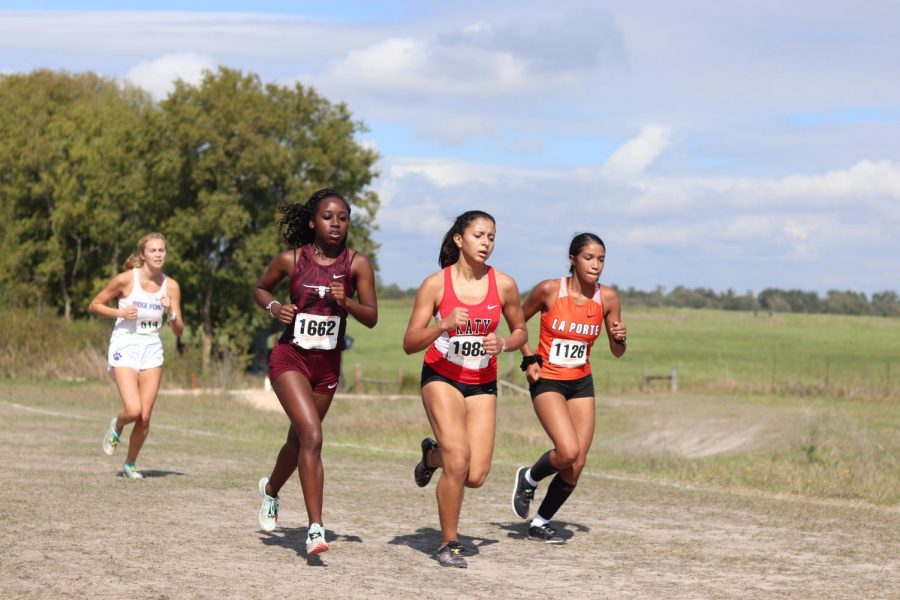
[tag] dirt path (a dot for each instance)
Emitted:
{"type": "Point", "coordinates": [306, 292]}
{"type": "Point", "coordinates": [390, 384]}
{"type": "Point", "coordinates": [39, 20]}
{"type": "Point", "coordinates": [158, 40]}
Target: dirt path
{"type": "Point", "coordinates": [70, 528]}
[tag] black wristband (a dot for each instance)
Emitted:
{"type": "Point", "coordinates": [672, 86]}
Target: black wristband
{"type": "Point", "coordinates": [530, 360]}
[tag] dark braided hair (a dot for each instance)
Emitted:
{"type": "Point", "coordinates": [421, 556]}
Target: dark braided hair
{"type": "Point", "coordinates": [295, 218]}
{"type": "Point", "coordinates": [449, 253]}
{"type": "Point", "coordinates": [580, 241]}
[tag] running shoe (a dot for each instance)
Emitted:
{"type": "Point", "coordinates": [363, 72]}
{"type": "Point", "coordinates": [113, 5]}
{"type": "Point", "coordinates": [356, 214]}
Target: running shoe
{"type": "Point", "coordinates": [315, 540]}
{"type": "Point", "coordinates": [268, 513]}
{"type": "Point", "coordinates": [111, 439]}
{"type": "Point", "coordinates": [130, 471]}
{"type": "Point", "coordinates": [450, 555]}
{"type": "Point", "coordinates": [544, 533]}
{"type": "Point", "coordinates": [422, 473]}
{"type": "Point", "coordinates": [523, 494]}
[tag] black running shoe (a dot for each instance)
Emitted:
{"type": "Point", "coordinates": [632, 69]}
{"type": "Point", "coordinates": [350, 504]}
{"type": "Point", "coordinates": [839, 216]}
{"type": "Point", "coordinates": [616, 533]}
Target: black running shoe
{"type": "Point", "coordinates": [523, 494]}
{"type": "Point", "coordinates": [450, 555]}
{"type": "Point", "coordinates": [422, 473]}
{"type": "Point", "coordinates": [544, 533]}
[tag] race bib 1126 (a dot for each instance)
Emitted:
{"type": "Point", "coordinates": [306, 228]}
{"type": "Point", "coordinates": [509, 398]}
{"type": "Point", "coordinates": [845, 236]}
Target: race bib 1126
{"type": "Point", "coordinates": [568, 353]}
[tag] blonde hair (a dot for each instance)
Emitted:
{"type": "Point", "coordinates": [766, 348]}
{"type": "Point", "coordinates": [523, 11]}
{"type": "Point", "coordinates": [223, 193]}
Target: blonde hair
{"type": "Point", "coordinates": [136, 261]}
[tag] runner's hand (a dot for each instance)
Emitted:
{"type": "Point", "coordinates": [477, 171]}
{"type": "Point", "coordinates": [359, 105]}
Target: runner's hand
{"type": "Point", "coordinates": [533, 373]}
{"type": "Point", "coordinates": [129, 313]}
{"type": "Point", "coordinates": [287, 313]}
{"type": "Point", "coordinates": [492, 344]}
{"type": "Point", "coordinates": [618, 331]}
{"type": "Point", "coordinates": [339, 292]}
{"type": "Point", "coordinates": [457, 318]}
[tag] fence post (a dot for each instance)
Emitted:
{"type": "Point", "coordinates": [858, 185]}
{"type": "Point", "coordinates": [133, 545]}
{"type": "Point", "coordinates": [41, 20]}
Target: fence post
{"type": "Point", "coordinates": [357, 384]}
{"type": "Point", "coordinates": [645, 382]}
{"type": "Point", "coordinates": [673, 380]}
{"type": "Point", "coordinates": [400, 380]}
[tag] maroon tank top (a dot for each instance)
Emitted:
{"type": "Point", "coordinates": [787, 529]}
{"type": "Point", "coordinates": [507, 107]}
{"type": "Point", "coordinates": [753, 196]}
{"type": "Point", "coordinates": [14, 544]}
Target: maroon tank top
{"type": "Point", "coordinates": [320, 324]}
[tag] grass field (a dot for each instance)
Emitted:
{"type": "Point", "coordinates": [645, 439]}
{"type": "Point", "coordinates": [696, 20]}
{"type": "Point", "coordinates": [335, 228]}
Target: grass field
{"type": "Point", "coordinates": [809, 355]}
{"type": "Point", "coordinates": [676, 501]}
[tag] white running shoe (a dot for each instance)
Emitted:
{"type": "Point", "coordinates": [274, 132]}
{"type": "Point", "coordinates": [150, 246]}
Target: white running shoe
{"type": "Point", "coordinates": [111, 439]}
{"type": "Point", "coordinates": [268, 512]}
{"type": "Point", "coordinates": [315, 540]}
{"type": "Point", "coordinates": [131, 471]}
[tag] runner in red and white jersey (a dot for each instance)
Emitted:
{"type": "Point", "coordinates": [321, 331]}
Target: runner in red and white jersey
{"type": "Point", "coordinates": [455, 318]}
{"type": "Point", "coordinates": [574, 311]}
{"type": "Point", "coordinates": [305, 364]}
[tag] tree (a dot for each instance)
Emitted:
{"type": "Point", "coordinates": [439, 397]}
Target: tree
{"type": "Point", "coordinates": [243, 149]}
{"type": "Point", "coordinates": [72, 181]}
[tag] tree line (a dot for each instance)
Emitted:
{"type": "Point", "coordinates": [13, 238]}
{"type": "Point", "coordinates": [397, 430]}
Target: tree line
{"type": "Point", "coordinates": [88, 165]}
{"type": "Point", "coordinates": [773, 300]}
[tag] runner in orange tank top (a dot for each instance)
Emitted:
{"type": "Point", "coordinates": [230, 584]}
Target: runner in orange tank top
{"type": "Point", "coordinates": [455, 318]}
{"type": "Point", "coordinates": [574, 311]}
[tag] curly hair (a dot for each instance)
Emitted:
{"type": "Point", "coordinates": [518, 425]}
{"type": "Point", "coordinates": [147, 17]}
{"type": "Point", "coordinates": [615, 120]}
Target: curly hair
{"type": "Point", "coordinates": [295, 218]}
{"type": "Point", "coordinates": [449, 253]}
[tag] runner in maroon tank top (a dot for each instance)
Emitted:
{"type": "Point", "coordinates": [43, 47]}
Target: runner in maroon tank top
{"type": "Point", "coordinates": [465, 299]}
{"type": "Point", "coordinates": [306, 362]}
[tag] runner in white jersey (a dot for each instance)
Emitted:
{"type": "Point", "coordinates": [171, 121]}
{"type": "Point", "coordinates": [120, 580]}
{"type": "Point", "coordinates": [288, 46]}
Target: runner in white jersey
{"type": "Point", "coordinates": [135, 357]}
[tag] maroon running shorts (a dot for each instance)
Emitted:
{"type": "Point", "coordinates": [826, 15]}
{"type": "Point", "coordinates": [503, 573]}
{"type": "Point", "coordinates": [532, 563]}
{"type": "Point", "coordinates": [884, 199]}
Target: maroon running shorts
{"type": "Point", "coordinates": [322, 369]}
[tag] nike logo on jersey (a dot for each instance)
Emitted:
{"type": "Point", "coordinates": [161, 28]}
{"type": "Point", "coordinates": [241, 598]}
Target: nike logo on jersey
{"type": "Point", "coordinates": [333, 276]}
{"type": "Point", "coordinates": [492, 306]}
{"type": "Point", "coordinates": [332, 386]}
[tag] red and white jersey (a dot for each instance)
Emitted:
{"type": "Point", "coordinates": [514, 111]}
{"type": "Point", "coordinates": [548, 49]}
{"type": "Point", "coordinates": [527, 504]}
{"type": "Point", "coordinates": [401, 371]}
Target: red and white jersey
{"type": "Point", "coordinates": [459, 354]}
{"type": "Point", "coordinates": [568, 331]}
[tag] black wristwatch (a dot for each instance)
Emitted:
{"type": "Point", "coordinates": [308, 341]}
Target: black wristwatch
{"type": "Point", "coordinates": [530, 360]}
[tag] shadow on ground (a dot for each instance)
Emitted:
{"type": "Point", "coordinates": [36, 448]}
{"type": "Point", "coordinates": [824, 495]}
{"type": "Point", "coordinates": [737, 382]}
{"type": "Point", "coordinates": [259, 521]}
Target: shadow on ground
{"type": "Point", "coordinates": [150, 473]}
{"type": "Point", "coordinates": [427, 540]}
{"type": "Point", "coordinates": [294, 538]}
{"type": "Point", "coordinates": [518, 530]}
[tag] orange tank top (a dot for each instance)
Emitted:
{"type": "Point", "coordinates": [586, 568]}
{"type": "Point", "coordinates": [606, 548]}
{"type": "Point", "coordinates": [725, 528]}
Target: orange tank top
{"type": "Point", "coordinates": [568, 332]}
{"type": "Point", "coordinates": [459, 354]}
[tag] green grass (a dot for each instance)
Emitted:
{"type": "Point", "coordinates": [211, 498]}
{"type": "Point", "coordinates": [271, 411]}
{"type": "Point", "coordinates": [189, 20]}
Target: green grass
{"type": "Point", "coordinates": [807, 355]}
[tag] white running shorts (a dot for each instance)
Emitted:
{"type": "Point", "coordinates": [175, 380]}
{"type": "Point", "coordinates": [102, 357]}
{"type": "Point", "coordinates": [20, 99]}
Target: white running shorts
{"type": "Point", "coordinates": [138, 352]}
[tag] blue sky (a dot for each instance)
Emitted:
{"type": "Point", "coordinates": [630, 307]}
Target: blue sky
{"type": "Point", "coordinates": [715, 144]}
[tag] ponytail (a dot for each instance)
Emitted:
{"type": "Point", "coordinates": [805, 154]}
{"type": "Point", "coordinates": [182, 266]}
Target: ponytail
{"type": "Point", "coordinates": [136, 260]}
{"type": "Point", "coordinates": [449, 252]}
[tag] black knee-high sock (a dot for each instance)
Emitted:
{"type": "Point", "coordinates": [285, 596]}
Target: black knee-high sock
{"type": "Point", "coordinates": [542, 468]}
{"type": "Point", "coordinates": [557, 493]}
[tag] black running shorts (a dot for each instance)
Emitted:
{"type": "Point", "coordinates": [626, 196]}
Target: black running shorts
{"type": "Point", "coordinates": [572, 388]}
{"type": "Point", "coordinates": [466, 389]}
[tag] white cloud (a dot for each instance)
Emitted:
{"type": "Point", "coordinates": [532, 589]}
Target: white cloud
{"type": "Point", "coordinates": [637, 154]}
{"type": "Point", "coordinates": [158, 76]}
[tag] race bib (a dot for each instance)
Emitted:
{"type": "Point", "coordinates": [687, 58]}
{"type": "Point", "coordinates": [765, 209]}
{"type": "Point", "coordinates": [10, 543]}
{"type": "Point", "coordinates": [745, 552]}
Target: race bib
{"type": "Point", "coordinates": [468, 352]}
{"type": "Point", "coordinates": [147, 326]}
{"type": "Point", "coordinates": [316, 332]}
{"type": "Point", "coordinates": [568, 353]}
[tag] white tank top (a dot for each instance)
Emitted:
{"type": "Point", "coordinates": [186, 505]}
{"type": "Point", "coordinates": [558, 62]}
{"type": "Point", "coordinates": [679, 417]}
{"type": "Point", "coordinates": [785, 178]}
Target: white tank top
{"type": "Point", "coordinates": [150, 309]}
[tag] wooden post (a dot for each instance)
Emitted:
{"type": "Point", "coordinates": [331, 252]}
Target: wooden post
{"type": "Point", "coordinates": [193, 380]}
{"type": "Point", "coordinates": [400, 380]}
{"type": "Point", "coordinates": [645, 382]}
{"type": "Point", "coordinates": [358, 380]}
{"type": "Point", "coordinates": [673, 380]}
